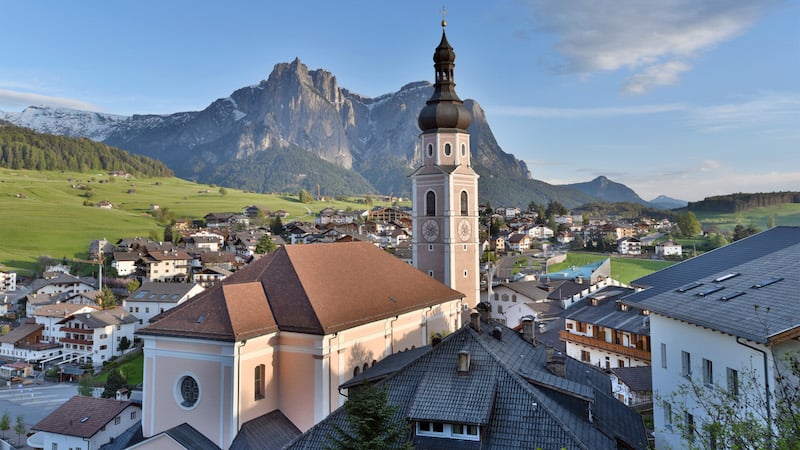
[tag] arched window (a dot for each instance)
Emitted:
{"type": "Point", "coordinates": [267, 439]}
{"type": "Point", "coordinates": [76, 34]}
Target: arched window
{"type": "Point", "coordinates": [464, 203]}
{"type": "Point", "coordinates": [463, 150]}
{"type": "Point", "coordinates": [430, 203]}
{"type": "Point", "coordinates": [356, 371]}
{"type": "Point", "coordinates": [430, 150]}
{"type": "Point", "coordinates": [448, 149]}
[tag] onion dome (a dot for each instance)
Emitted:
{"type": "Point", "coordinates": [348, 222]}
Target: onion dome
{"type": "Point", "coordinates": [444, 109]}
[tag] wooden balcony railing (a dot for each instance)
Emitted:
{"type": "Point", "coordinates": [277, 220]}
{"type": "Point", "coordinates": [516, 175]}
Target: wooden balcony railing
{"type": "Point", "coordinates": [603, 345]}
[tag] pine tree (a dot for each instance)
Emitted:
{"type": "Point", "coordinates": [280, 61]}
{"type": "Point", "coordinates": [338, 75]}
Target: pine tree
{"type": "Point", "coordinates": [106, 299]}
{"type": "Point", "coordinates": [372, 423]}
{"type": "Point", "coordinates": [5, 423]}
{"type": "Point", "coordinates": [20, 428]}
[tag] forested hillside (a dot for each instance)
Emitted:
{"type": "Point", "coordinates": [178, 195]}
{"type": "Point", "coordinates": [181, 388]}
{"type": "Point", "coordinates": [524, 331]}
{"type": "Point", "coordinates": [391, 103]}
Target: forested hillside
{"type": "Point", "coordinates": [742, 202]}
{"type": "Point", "coordinates": [22, 148]}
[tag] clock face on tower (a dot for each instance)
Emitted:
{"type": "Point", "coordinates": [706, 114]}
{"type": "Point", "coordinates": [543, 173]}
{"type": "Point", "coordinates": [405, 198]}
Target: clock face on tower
{"type": "Point", "coordinates": [464, 230]}
{"type": "Point", "coordinates": [430, 230]}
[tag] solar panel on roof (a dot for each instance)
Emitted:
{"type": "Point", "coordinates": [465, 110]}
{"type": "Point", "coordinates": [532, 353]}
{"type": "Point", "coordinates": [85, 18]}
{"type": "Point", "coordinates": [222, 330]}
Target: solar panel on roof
{"type": "Point", "coordinates": [710, 290]}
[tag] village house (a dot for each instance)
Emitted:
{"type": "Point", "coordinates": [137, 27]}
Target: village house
{"type": "Point", "coordinates": [84, 423]}
{"type": "Point", "coordinates": [518, 242]}
{"type": "Point", "coordinates": [669, 248]}
{"type": "Point", "coordinates": [489, 387]}
{"type": "Point", "coordinates": [633, 385]}
{"type": "Point", "coordinates": [94, 337]}
{"type": "Point", "coordinates": [164, 265]}
{"type": "Point", "coordinates": [152, 299]}
{"type": "Point", "coordinates": [8, 281]}
{"type": "Point", "coordinates": [50, 315]}
{"type": "Point", "coordinates": [740, 302]}
{"type": "Point", "coordinates": [629, 246]}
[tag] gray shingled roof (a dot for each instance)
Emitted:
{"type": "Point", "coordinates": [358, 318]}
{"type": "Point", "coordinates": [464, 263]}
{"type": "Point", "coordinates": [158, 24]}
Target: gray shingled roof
{"type": "Point", "coordinates": [638, 379]}
{"type": "Point", "coordinates": [738, 307]}
{"type": "Point", "coordinates": [272, 431]}
{"type": "Point", "coordinates": [607, 313]}
{"type": "Point", "coordinates": [508, 389]}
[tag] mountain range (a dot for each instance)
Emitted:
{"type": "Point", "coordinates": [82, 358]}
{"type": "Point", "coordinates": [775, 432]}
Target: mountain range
{"type": "Point", "coordinates": [299, 129]}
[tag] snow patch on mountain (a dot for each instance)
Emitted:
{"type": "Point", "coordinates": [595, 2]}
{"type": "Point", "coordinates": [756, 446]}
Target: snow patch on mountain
{"type": "Point", "coordinates": [65, 121]}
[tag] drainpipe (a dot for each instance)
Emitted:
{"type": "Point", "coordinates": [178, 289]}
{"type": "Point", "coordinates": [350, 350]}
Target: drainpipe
{"type": "Point", "coordinates": [766, 387]}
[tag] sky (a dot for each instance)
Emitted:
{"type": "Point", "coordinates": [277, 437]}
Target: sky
{"type": "Point", "coordinates": [684, 98]}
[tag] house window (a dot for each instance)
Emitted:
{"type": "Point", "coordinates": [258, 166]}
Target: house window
{"type": "Point", "coordinates": [464, 203]}
{"type": "Point", "coordinates": [688, 432]}
{"type": "Point", "coordinates": [733, 382]}
{"type": "Point", "coordinates": [586, 356]}
{"type": "Point", "coordinates": [667, 415]}
{"type": "Point", "coordinates": [430, 273]}
{"type": "Point", "coordinates": [581, 327]}
{"type": "Point", "coordinates": [505, 297]}
{"type": "Point", "coordinates": [430, 203]}
{"type": "Point", "coordinates": [513, 297]}
{"type": "Point", "coordinates": [708, 372]}
{"type": "Point", "coordinates": [448, 430]}
{"type": "Point", "coordinates": [686, 364]}
{"type": "Point", "coordinates": [663, 355]}
{"type": "Point", "coordinates": [54, 446]}
{"type": "Point", "coordinates": [133, 415]}
{"type": "Point", "coordinates": [117, 420]}
{"type": "Point", "coordinates": [620, 363]}
{"type": "Point", "coordinates": [147, 310]}
{"type": "Point", "coordinates": [259, 382]}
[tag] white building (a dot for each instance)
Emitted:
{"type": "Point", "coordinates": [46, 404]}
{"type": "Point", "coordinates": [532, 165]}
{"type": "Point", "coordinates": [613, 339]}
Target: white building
{"type": "Point", "coordinates": [8, 281]}
{"type": "Point", "coordinates": [49, 317]}
{"type": "Point", "coordinates": [97, 335]}
{"type": "Point", "coordinates": [84, 423]}
{"type": "Point", "coordinates": [152, 299]}
{"type": "Point", "coordinates": [719, 321]}
{"type": "Point", "coordinates": [669, 248]}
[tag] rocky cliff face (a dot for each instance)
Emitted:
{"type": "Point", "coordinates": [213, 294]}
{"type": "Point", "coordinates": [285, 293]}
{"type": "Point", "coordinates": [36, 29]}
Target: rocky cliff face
{"type": "Point", "coordinates": [299, 110]}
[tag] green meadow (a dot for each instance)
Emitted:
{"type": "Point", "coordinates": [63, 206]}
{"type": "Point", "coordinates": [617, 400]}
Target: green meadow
{"type": "Point", "coordinates": [786, 214]}
{"type": "Point", "coordinates": [44, 212]}
{"type": "Point", "coordinates": [622, 269]}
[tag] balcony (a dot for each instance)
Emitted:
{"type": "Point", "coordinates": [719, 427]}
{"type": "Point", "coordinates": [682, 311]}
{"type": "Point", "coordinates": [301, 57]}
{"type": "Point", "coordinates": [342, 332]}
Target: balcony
{"type": "Point", "coordinates": [77, 330]}
{"type": "Point", "coordinates": [633, 352]}
{"type": "Point", "coordinates": [65, 340]}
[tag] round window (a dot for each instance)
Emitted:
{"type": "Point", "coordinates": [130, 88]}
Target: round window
{"type": "Point", "coordinates": [189, 391]}
{"type": "Point", "coordinates": [430, 150]}
{"type": "Point", "coordinates": [447, 149]}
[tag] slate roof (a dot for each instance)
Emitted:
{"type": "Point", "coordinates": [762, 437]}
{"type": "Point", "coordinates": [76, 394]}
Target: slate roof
{"type": "Point", "coordinates": [508, 390]}
{"type": "Point", "coordinates": [81, 416]}
{"type": "Point", "coordinates": [386, 366]}
{"type": "Point", "coordinates": [739, 308]}
{"type": "Point", "coordinates": [638, 379]}
{"type": "Point", "coordinates": [61, 278]}
{"type": "Point", "coordinates": [530, 289]}
{"type": "Point", "coordinates": [315, 289]}
{"type": "Point", "coordinates": [160, 292]}
{"type": "Point", "coordinates": [607, 313]}
{"type": "Point", "coordinates": [190, 438]}
{"type": "Point", "coordinates": [272, 431]}
{"type": "Point", "coordinates": [102, 318]}
{"type": "Point", "coordinates": [20, 333]}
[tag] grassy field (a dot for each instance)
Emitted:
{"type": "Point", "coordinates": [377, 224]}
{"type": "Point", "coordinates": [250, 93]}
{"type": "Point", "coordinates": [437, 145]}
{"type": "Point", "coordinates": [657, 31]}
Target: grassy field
{"type": "Point", "coordinates": [131, 365]}
{"type": "Point", "coordinates": [785, 214]}
{"type": "Point", "coordinates": [622, 269]}
{"type": "Point", "coordinates": [44, 215]}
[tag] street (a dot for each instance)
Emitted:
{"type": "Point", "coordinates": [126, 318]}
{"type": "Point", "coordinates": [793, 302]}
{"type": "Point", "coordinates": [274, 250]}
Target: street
{"type": "Point", "coordinates": [34, 402]}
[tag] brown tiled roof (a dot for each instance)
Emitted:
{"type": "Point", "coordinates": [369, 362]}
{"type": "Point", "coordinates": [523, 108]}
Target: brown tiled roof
{"type": "Point", "coordinates": [315, 289]}
{"type": "Point", "coordinates": [68, 419]}
{"type": "Point", "coordinates": [20, 333]}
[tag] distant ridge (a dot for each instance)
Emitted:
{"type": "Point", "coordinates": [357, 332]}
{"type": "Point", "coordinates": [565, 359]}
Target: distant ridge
{"type": "Point", "coordinates": [608, 191]}
{"type": "Point", "coordinates": [664, 202]}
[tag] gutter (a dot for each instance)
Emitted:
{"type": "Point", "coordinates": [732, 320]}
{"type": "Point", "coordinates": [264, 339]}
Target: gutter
{"type": "Point", "coordinates": [766, 388]}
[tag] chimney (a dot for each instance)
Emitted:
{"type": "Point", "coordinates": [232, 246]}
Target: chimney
{"type": "Point", "coordinates": [556, 363]}
{"type": "Point", "coordinates": [463, 362]}
{"type": "Point", "coordinates": [528, 330]}
{"type": "Point", "coordinates": [483, 309]}
{"type": "Point", "coordinates": [475, 320]}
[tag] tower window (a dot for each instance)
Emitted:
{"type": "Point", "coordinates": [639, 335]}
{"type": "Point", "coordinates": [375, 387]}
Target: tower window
{"type": "Point", "coordinates": [448, 149]}
{"type": "Point", "coordinates": [430, 203]}
{"type": "Point", "coordinates": [430, 151]}
{"type": "Point", "coordinates": [463, 150]}
{"type": "Point", "coordinates": [259, 383]}
{"type": "Point", "coordinates": [464, 203]}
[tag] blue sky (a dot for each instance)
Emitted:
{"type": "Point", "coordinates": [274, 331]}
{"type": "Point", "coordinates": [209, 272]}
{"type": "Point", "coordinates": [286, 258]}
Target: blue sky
{"type": "Point", "coordinates": [684, 98]}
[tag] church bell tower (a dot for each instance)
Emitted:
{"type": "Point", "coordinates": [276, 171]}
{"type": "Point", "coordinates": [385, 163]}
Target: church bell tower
{"type": "Point", "coordinates": [445, 187]}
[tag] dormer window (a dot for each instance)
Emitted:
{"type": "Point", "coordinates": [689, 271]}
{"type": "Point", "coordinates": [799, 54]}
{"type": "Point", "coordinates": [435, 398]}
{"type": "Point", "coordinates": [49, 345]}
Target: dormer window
{"type": "Point", "coordinates": [448, 430]}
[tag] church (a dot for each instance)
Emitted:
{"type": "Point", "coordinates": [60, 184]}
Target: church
{"type": "Point", "coordinates": [271, 345]}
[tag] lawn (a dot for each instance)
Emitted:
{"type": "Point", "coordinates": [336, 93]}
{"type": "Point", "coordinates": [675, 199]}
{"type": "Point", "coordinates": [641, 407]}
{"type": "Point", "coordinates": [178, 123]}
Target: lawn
{"type": "Point", "coordinates": [787, 214]}
{"type": "Point", "coordinates": [624, 270]}
{"type": "Point", "coordinates": [45, 215]}
{"type": "Point", "coordinates": [131, 365]}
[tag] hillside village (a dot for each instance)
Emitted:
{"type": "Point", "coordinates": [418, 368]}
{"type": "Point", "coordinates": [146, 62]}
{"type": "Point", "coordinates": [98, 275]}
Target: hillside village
{"type": "Point", "coordinates": [256, 330]}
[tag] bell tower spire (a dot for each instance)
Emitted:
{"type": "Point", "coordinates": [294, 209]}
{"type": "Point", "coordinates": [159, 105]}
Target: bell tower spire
{"type": "Point", "coordinates": [445, 187]}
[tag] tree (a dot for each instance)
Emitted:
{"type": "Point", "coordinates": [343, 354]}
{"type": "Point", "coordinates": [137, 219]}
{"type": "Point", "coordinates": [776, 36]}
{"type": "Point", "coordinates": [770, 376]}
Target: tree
{"type": "Point", "coordinates": [740, 232]}
{"type": "Point", "coordinates": [223, 191]}
{"type": "Point", "coordinates": [133, 285]}
{"type": "Point", "coordinates": [168, 233]}
{"type": "Point", "coordinates": [276, 226]}
{"type": "Point", "coordinates": [265, 244]}
{"type": "Point", "coordinates": [116, 380]}
{"type": "Point", "coordinates": [688, 224]}
{"type": "Point", "coordinates": [86, 386]}
{"type": "Point", "coordinates": [20, 428]}
{"type": "Point", "coordinates": [740, 417]}
{"type": "Point", "coordinates": [555, 208]}
{"type": "Point", "coordinates": [5, 423]}
{"type": "Point", "coordinates": [106, 299]}
{"type": "Point", "coordinates": [124, 344]}
{"type": "Point", "coordinates": [305, 196]}
{"type": "Point", "coordinates": [371, 423]}
{"type": "Point", "coordinates": [716, 240]}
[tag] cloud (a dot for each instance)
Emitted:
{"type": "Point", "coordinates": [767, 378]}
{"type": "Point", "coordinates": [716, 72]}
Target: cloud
{"type": "Point", "coordinates": [15, 99]}
{"type": "Point", "coordinates": [769, 112]}
{"type": "Point", "coordinates": [583, 113]}
{"type": "Point", "coordinates": [654, 39]}
{"type": "Point", "coordinates": [655, 75]}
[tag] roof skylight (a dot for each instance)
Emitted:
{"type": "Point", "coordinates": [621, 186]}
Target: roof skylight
{"type": "Point", "coordinates": [767, 282]}
{"type": "Point", "coordinates": [726, 277]}
{"type": "Point", "coordinates": [689, 287]}
{"type": "Point", "coordinates": [731, 295]}
{"type": "Point", "coordinates": [710, 291]}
